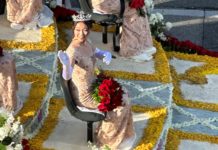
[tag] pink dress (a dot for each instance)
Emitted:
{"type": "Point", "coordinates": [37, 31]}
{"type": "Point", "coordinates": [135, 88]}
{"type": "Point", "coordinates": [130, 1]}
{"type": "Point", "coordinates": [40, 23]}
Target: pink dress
{"type": "Point", "coordinates": [136, 36]}
{"type": "Point", "coordinates": [8, 82]}
{"type": "Point", "coordinates": [22, 11]}
{"type": "Point", "coordinates": [118, 124]}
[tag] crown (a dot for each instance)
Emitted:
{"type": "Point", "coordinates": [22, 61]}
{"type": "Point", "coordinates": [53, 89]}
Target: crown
{"type": "Point", "coordinates": [82, 17]}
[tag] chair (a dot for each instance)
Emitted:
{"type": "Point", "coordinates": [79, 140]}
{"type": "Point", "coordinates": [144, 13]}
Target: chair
{"type": "Point", "coordinates": [105, 20]}
{"type": "Point", "coordinates": [89, 117]}
{"type": "Point", "coordinates": [2, 6]}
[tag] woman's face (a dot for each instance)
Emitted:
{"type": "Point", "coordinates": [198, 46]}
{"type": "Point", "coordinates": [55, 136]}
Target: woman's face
{"type": "Point", "coordinates": [81, 32]}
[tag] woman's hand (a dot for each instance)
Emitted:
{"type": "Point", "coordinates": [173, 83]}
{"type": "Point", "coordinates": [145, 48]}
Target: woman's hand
{"type": "Point", "coordinates": [105, 55]}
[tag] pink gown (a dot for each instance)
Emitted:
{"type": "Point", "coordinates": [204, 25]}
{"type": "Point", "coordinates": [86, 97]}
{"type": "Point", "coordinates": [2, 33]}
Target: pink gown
{"type": "Point", "coordinates": [136, 36]}
{"type": "Point", "coordinates": [8, 82]}
{"type": "Point", "coordinates": [118, 124]}
{"type": "Point", "coordinates": [22, 11]}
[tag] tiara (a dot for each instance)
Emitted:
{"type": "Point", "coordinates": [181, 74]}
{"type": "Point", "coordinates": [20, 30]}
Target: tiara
{"type": "Point", "coordinates": [82, 17]}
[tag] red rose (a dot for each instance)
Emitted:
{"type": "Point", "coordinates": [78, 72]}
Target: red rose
{"type": "Point", "coordinates": [25, 142]}
{"type": "Point", "coordinates": [108, 82]}
{"type": "Point", "coordinates": [103, 93]}
{"type": "Point", "coordinates": [136, 4]}
{"type": "Point", "coordinates": [26, 147]}
{"type": "Point", "coordinates": [104, 87]}
{"type": "Point", "coordinates": [109, 92]}
{"type": "Point", "coordinates": [106, 100]}
{"type": "Point", "coordinates": [102, 107]}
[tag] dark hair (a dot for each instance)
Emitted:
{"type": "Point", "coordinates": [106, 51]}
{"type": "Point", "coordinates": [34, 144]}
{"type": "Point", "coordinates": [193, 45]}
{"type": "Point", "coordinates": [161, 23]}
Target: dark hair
{"type": "Point", "coordinates": [87, 23]}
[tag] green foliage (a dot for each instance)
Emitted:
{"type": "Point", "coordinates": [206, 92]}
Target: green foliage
{"type": "Point", "coordinates": [95, 95]}
{"type": "Point", "coordinates": [2, 121]}
{"type": "Point", "coordinates": [2, 147]}
{"type": "Point", "coordinates": [106, 147]}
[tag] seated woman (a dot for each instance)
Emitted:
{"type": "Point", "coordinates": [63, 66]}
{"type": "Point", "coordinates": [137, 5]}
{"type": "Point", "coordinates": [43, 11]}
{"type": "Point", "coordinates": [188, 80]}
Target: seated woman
{"type": "Point", "coordinates": [27, 14]}
{"type": "Point", "coordinates": [136, 40]}
{"type": "Point", "coordinates": [78, 62]}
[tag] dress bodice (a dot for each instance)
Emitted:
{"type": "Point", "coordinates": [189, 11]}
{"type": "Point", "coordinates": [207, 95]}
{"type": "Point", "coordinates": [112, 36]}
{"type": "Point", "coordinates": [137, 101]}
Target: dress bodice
{"type": "Point", "coordinates": [83, 60]}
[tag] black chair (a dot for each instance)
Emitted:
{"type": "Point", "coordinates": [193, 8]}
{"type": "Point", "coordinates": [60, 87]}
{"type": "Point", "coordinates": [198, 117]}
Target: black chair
{"type": "Point", "coordinates": [105, 20]}
{"type": "Point", "coordinates": [89, 117]}
{"type": "Point", "coordinates": [2, 6]}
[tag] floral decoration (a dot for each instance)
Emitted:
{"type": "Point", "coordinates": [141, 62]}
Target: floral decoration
{"type": "Point", "coordinates": [107, 92]}
{"type": "Point", "coordinates": [11, 131]}
{"type": "Point", "coordinates": [158, 26]}
{"type": "Point", "coordinates": [174, 137]}
{"type": "Point", "coordinates": [138, 5]}
{"type": "Point", "coordinates": [156, 20]}
{"type": "Point", "coordinates": [25, 144]}
{"type": "Point", "coordinates": [47, 42]}
{"type": "Point", "coordinates": [173, 44]}
{"type": "Point", "coordinates": [149, 6]}
{"type": "Point", "coordinates": [195, 75]}
{"type": "Point", "coordinates": [55, 106]}
{"type": "Point", "coordinates": [154, 127]}
{"type": "Point", "coordinates": [37, 92]}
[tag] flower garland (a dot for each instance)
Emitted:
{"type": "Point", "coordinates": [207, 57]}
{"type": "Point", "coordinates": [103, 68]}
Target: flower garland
{"type": "Point", "coordinates": [194, 74]}
{"type": "Point", "coordinates": [47, 42]}
{"type": "Point", "coordinates": [36, 94]}
{"type": "Point", "coordinates": [173, 44]}
{"type": "Point", "coordinates": [107, 93]}
{"type": "Point", "coordinates": [154, 126]}
{"type": "Point", "coordinates": [50, 122]}
{"type": "Point", "coordinates": [11, 131]}
{"type": "Point", "coordinates": [174, 137]}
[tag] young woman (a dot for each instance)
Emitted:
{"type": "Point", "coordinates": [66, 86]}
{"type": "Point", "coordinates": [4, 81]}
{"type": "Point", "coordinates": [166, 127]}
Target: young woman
{"type": "Point", "coordinates": [136, 41]}
{"type": "Point", "coordinates": [78, 61]}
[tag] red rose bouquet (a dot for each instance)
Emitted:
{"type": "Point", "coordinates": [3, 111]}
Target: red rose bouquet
{"type": "Point", "coordinates": [107, 92]}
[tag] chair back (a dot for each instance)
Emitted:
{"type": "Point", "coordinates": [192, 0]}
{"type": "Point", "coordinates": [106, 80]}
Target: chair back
{"type": "Point", "coordinates": [86, 6]}
{"type": "Point", "coordinates": [68, 97]}
{"type": "Point", "coordinates": [71, 105]}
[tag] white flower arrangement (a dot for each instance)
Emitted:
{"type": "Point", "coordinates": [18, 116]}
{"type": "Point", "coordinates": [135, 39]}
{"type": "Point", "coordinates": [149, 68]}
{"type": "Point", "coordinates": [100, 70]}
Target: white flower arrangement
{"type": "Point", "coordinates": [149, 6]}
{"type": "Point", "coordinates": [11, 131]}
{"type": "Point", "coordinates": [156, 20]}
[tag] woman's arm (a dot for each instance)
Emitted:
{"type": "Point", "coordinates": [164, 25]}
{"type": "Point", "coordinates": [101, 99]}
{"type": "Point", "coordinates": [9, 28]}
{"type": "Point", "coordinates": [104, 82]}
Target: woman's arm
{"type": "Point", "coordinates": [67, 68]}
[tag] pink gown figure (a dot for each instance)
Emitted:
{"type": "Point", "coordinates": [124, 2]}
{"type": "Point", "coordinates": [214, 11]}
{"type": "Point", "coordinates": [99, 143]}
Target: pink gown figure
{"type": "Point", "coordinates": [78, 62]}
{"type": "Point", "coordinates": [23, 12]}
{"type": "Point", "coordinates": [136, 40]}
{"type": "Point", "coordinates": [118, 124]}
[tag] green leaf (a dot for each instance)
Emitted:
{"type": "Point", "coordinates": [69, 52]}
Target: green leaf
{"type": "Point", "coordinates": [2, 121]}
{"type": "Point", "coordinates": [107, 147]}
{"type": "Point", "coordinates": [2, 147]}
